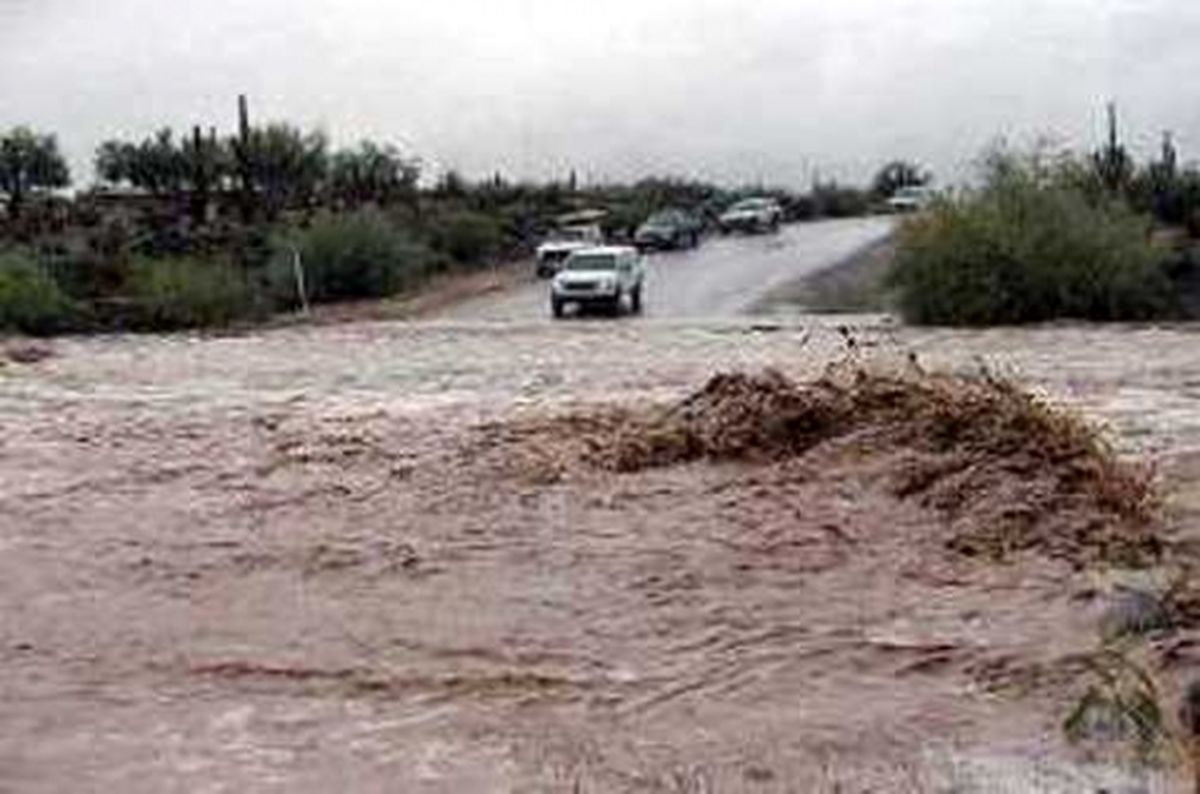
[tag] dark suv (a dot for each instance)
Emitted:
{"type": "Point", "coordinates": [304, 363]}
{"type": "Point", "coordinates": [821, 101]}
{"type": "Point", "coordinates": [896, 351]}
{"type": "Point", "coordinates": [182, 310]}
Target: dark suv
{"type": "Point", "coordinates": [670, 228]}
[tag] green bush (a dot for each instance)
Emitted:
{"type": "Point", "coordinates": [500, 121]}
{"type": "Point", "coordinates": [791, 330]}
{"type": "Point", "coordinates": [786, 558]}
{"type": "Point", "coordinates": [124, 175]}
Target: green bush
{"type": "Point", "coordinates": [172, 294]}
{"type": "Point", "coordinates": [30, 300]}
{"type": "Point", "coordinates": [467, 237]}
{"type": "Point", "coordinates": [359, 255]}
{"type": "Point", "coordinates": [832, 200]}
{"type": "Point", "coordinates": [1028, 248]}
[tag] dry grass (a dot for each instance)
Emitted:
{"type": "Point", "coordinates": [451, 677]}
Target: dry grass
{"type": "Point", "coordinates": [1124, 707]}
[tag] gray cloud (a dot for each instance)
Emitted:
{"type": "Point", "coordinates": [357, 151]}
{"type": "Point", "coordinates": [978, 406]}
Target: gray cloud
{"type": "Point", "coordinates": [724, 89]}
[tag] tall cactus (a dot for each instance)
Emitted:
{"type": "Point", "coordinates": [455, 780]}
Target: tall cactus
{"type": "Point", "coordinates": [243, 160]}
{"type": "Point", "coordinates": [1112, 162]}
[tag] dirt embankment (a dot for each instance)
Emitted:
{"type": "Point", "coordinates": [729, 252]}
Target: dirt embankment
{"type": "Point", "coordinates": [857, 284]}
{"type": "Point", "coordinates": [1007, 472]}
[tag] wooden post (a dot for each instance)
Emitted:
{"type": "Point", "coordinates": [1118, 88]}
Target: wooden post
{"type": "Point", "coordinates": [298, 274]}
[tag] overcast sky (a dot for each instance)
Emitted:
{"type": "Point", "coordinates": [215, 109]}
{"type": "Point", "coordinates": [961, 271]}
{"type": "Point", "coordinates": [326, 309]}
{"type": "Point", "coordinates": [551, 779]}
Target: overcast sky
{"type": "Point", "coordinates": [733, 90]}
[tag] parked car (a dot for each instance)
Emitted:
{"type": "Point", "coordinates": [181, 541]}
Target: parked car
{"type": "Point", "coordinates": [669, 228]}
{"type": "Point", "coordinates": [562, 243]}
{"type": "Point", "coordinates": [751, 215]}
{"type": "Point", "coordinates": [910, 199]}
{"type": "Point", "coordinates": [602, 277]}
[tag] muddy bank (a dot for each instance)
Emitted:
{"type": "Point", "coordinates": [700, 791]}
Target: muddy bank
{"type": "Point", "coordinates": [855, 285]}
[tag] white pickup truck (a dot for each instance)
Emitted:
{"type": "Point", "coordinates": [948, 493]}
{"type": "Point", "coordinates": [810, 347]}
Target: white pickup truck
{"type": "Point", "coordinates": [602, 277]}
{"type": "Point", "coordinates": [913, 198]}
{"type": "Point", "coordinates": [562, 243]}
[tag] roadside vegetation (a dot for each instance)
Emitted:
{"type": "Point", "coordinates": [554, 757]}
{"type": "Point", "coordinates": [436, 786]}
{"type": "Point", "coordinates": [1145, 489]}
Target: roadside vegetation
{"type": "Point", "coordinates": [354, 255]}
{"type": "Point", "coordinates": [201, 230]}
{"type": "Point", "coordinates": [1048, 236]}
{"type": "Point", "coordinates": [30, 299]}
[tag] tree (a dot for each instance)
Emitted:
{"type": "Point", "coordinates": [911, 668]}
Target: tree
{"type": "Point", "coordinates": [896, 175]}
{"type": "Point", "coordinates": [452, 185]}
{"type": "Point", "coordinates": [208, 164]}
{"type": "Point", "coordinates": [162, 165]}
{"type": "Point", "coordinates": [155, 165]}
{"type": "Point", "coordinates": [29, 161]}
{"type": "Point", "coordinates": [114, 161]}
{"type": "Point", "coordinates": [166, 167]}
{"type": "Point", "coordinates": [285, 166]}
{"type": "Point", "coordinates": [372, 172]}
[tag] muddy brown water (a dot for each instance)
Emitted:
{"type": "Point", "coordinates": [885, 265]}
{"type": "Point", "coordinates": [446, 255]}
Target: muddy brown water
{"type": "Point", "coordinates": [290, 561]}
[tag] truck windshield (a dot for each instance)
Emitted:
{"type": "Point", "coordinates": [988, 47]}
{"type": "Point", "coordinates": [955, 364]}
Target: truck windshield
{"type": "Point", "coordinates": [592, 262]}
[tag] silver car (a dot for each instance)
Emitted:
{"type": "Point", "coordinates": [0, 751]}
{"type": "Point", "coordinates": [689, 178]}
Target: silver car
{"type": "Point", "coordinates": [751, 215]}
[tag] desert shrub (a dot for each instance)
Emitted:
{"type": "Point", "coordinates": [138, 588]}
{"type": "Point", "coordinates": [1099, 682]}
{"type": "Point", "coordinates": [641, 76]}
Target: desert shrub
{"type": "Point", "coordinates": [90, 266]}
{"type": "Point", "coordinates": [837, 201]}
{"type": "Point", "coordinates": [358, 255]}
{"type": "Point", "coordinates": [1028, 247]}
{"type": "Point", "coordinates": [801, 208]}
{"type": "Point", "coordinates": [30, 300]}
{"type": "Point", "coordinates": [467, 237]}
{"type": "Point", "coordinates": [623, 219]}
{"type": "Point", "coordinates": [171, 294]}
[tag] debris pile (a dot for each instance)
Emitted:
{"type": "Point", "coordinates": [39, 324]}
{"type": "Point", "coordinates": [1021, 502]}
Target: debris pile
{"type": "Point", "coordinates": [1007, 470]}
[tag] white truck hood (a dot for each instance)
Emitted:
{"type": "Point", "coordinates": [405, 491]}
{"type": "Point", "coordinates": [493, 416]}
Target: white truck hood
{"type": "Point", "coordinates": [559, 246]}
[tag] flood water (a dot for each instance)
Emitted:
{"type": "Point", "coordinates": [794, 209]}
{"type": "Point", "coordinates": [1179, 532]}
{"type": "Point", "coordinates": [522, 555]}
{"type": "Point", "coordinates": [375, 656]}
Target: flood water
{"type": "Point", "coordinates": [283, 561]}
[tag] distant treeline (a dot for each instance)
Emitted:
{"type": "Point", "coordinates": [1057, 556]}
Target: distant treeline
{"type": "Point", "coordinates": [197, 229]}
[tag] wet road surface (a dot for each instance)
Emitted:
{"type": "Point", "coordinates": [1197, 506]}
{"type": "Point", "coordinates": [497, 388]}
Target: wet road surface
{"type": "Point", "coordinates": [724, 277]}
